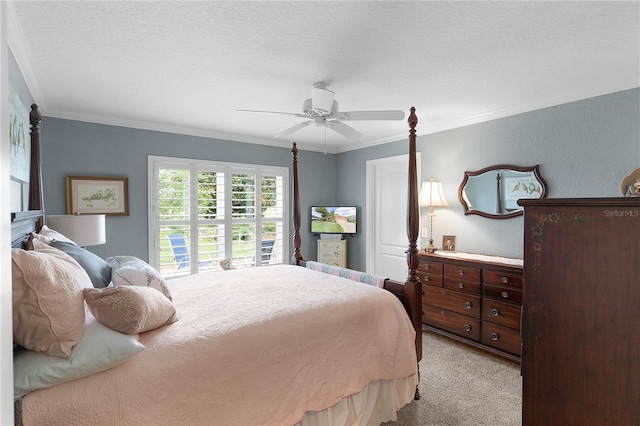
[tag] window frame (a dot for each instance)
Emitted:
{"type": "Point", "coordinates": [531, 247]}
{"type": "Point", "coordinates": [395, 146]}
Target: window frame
{"type": "Point", "coordinates": [194, 166]}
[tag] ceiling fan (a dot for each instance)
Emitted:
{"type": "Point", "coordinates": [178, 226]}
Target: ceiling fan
{"type": "Point", "coordinates": [322, 110]}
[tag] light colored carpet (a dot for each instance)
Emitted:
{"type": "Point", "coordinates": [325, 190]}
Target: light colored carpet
{"type": "Point", "coordinates": [462, 385]}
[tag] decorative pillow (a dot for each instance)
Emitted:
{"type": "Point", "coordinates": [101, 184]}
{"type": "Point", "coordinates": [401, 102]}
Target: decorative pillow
{"type": "Point", "coordinates": [130, 309]}
{"type": "Point", "coordinates": [46, 235]}
{"type": "Point", "coordinates": [99, 349]}
{"type": "Point", "coordinates": [98, 270]}
{"type": "Point", "coordinates": [131, 271]}
{"type": "Point", "coordinates": [48, 305]}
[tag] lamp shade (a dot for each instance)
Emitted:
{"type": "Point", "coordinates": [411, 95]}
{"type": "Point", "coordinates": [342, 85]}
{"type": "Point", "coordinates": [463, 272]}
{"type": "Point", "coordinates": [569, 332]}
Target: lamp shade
{"type": "Point", "coordinates": [432, 195]}
{"type": "Point", "coordinates": [84, 230]}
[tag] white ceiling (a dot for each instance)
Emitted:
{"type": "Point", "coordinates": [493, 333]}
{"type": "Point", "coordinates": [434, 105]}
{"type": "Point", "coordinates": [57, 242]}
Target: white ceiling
{"type": "Point", "coordinates": [186, 66]}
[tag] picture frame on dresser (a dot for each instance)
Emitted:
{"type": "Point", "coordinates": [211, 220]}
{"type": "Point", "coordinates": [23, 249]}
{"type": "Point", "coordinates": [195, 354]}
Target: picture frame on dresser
{"type": "Point", "coordinates": [449, 243]}
{"type": "Point", "coordinates": [107, 195]}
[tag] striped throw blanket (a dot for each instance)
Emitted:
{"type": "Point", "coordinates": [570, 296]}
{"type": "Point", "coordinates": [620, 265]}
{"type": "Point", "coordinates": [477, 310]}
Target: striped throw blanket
{"type": "Point", "coordinates": [370, 279]}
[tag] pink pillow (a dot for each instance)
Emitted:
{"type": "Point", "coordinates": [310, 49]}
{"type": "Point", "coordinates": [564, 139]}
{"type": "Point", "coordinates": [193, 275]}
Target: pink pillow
{"type": "Point", "coordinates": [130, 309]}
{"type": "Point", "coordinates": [48, 305]}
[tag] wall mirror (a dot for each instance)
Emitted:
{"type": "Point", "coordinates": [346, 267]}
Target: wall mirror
{"type": "Point", "coordinates": [494, 191]}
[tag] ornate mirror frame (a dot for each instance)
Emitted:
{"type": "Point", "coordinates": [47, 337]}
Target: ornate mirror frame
{"type": "Point", "coordinates": [504, 185]}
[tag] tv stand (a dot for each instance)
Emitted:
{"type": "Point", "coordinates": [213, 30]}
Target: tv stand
{"type": "Point", "coordinates": [333, 252]}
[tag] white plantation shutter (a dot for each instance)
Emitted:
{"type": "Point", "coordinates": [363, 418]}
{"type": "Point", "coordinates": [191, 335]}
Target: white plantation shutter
{"type": "Point", "coordinates": [201, 212]}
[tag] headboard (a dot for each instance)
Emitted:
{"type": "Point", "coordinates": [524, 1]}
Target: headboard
{"type": "Point", "coordinates": [22, 224]}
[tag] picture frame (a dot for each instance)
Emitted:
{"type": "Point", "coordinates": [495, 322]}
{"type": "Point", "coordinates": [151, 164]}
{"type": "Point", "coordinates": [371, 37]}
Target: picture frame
{"type": "Point", "coordinates": [106, 195]}
{"type": "Point", "coordinates": [19, 151]}
{"type": "Point", "coordinates": [449, 243]}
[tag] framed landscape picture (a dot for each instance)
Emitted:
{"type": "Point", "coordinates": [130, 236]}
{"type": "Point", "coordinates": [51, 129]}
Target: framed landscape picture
{"type": "Point", "coordinates": [98, 195]}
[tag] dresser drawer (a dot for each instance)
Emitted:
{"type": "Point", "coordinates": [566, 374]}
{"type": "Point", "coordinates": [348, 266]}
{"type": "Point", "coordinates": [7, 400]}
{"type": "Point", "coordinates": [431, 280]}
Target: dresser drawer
{"type": "Point", "coordinates": [326, 256]}
{"type": "Point", "coordinates": [501, 313]}
{"type": "Point", "coordinates": [462, 272]}
{"type": "Point", "coordinates": [462, 303]}
{"type": "Point", "coordinates": [452, 322]}
{"type": "Point", "coordinates": [430, 267]}
{"type": "Point", "coordinates": [502, 279]}
{"type": "Point", "coordinates": [434, 280]}
{"type": "Point", "coordinates": [330, 245]}
{"type": "Point", "coordinates": [456, 284]}
{"type": "Point", "coordinates": [503, 293]}
{"type": "Point", "coordinates": [503, 338]}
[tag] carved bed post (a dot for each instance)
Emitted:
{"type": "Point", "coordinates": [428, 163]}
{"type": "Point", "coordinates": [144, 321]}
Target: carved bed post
{"type": "Point", "coordinates": [297, 256]}
{"type": "Point", "coordinates": [413, 287]}
{"type": "Point", "coordinates": [36, 197]}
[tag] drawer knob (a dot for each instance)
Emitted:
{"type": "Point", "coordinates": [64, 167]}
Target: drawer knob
{"type": "Point", "coordinates": [495, 312]}
{"type": "Point", "coordinates": [460, 272]}
{"type": "Point", "coordinates": [421, 290]}
{"type": "Point", "coordinates": [460, 285]}
{"type": "Point", "coordinates": [467, 305]}
{"type": "Point", "coordinates": [504, 279]}
{"type": "Point", "coordinates": [467, 327]}
{"type": "Point", "coordinates": [426, 279]}
{"type": "Point", "coordinates": [504, 295]}
{"type": "Point", "coordinates": [495, 336]}
{"type": "Point", "coordinates": [427, 267]}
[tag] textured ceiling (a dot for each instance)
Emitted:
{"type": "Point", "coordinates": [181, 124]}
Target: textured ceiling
{"type": "Point", "coordinates": [186, 66]}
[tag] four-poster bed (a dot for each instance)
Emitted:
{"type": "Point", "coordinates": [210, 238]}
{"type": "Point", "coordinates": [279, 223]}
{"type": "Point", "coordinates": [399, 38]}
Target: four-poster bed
{"type": "Point", "coordinates": [272, 358]}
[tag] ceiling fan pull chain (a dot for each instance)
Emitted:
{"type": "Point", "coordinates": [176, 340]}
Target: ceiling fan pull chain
{"type": "Point", "coordinates": [325, 139]}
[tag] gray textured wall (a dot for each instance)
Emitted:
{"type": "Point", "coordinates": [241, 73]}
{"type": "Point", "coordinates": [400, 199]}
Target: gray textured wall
{"type": "Point", "coordinates": [80, 148]}
{"type": "Point", "coordinates": [584, 149]}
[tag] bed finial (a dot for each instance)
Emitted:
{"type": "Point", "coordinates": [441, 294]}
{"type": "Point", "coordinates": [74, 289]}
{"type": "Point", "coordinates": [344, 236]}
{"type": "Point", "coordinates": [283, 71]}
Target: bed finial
{"type": "Point", "coordinates": [297, 256]}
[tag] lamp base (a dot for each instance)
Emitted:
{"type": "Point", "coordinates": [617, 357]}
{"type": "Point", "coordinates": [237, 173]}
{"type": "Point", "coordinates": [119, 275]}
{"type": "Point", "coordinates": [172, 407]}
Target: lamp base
{"type": "Point", "coordinates": [431, 248]}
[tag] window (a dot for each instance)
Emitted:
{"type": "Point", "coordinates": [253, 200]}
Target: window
{"type": "Point", "coordinates": [201, 212]}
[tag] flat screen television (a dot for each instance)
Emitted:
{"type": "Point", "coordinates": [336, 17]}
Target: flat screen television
{"type": "Point", "coordinates": [333, 220]}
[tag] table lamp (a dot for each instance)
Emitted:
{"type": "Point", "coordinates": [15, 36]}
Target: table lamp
{"type": "Point", "coordinates": [84, 230]}
{"type": "Point", "coordinates": [432, 195]}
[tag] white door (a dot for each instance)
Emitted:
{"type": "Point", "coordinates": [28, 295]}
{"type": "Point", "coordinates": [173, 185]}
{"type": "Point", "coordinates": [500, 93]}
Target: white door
{"type": "Point", "coordinates": [387, 241]}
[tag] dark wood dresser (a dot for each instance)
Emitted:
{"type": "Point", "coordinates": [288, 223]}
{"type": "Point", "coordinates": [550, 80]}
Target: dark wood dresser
{"type": "Point", "coordinates": [581, 316]}
{"type": "Point", "coordinates": [473, 298]}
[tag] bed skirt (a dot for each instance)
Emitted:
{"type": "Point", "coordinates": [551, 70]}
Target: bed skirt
{"type": "Point", "coordinates": [377, 403]}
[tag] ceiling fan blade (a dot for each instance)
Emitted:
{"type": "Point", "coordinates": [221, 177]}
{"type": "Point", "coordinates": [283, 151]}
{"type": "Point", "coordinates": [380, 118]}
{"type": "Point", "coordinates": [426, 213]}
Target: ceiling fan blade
{"type": "Point", "coordinates": [370, 115]}
{"type": "Point", "coordinates": [346, 131]}
{"type": "Point", "coordinates": [294, 128]}
{"type": "Point", "coordinates": [295, 114]}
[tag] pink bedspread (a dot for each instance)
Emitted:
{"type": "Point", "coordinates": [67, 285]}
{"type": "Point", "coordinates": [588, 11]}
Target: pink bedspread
{"type": "Point", "coordinates": [257, 346]}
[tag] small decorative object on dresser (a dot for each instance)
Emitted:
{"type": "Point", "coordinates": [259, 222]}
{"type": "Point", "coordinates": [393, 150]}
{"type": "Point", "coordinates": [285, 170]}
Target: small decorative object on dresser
{"type": "Point", "coordinates": [449, 243]}
{"type": "Point", "coordinates": [630, 186]}
{"type": "Point", "coordinates": [473, 298]}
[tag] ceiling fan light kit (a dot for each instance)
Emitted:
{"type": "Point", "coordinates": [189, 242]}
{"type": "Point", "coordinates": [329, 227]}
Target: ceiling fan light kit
{"type": "Point", "coordinates": [322, 99]}
{"type": "Point", "coordinates": [322, 110]}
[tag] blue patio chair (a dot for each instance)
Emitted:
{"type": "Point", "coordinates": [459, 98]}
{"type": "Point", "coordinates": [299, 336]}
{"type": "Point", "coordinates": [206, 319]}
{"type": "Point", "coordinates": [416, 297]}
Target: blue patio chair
{"type": "Point", "coordinates": [181, 252]}
{"type": "Point", "coordinates": [267, 248]}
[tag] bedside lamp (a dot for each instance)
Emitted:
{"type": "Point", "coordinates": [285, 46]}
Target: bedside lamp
{"type": "Point", "coordinates": [84, 230]}
{"type": "Point", "coordinates": [432, 195]}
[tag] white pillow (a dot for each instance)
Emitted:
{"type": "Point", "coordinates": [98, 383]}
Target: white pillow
{"type": "Point", "coordinates": [99, 349]}
{"type": "Point", "coordinates": [46, 235]}
{"type": "Point", "coordinates": [129, 270]}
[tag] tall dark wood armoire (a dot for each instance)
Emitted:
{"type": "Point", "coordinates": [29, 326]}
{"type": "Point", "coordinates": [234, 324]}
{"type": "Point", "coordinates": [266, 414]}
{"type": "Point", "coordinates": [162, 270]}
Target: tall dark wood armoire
{"type": "Point", "coordinates": [581, 312]}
